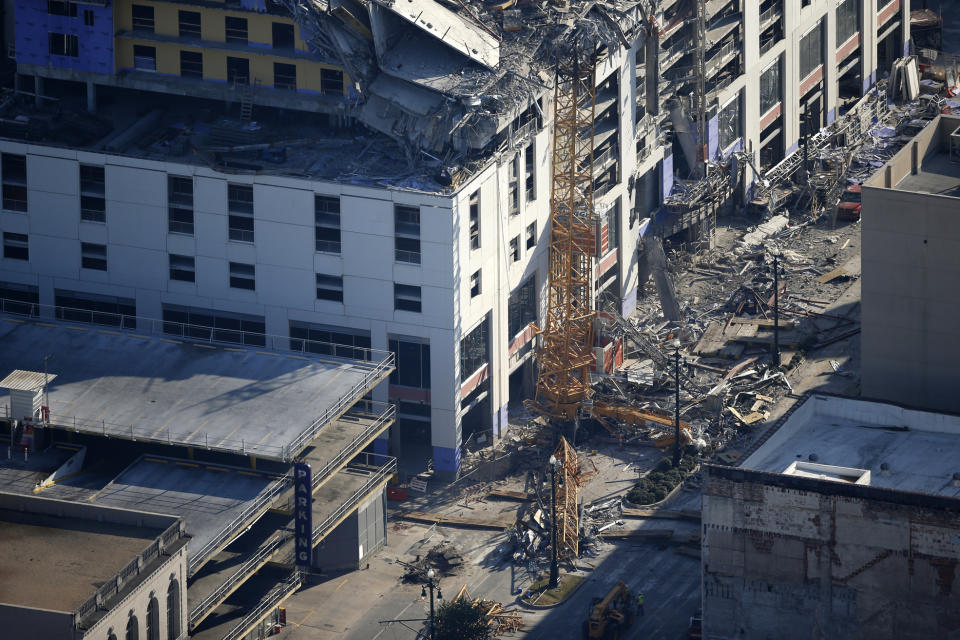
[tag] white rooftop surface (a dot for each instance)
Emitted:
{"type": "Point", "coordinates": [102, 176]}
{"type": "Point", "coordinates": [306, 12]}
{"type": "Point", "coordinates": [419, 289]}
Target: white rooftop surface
{"type": "Point", "coordinates": [145, 387]}
{"type": "Point", "coordinates": [865, 434]}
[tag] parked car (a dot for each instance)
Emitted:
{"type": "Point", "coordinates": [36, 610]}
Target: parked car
{"type": "Point", "coordinates": [850, 203]}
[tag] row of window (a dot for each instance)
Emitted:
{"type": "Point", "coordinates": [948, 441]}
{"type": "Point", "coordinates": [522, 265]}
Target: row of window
{"type": "Point", "coordinates": [69, 9]}
{"type": "Point", "coordinates": [236, 29]}
{"type": "Point", "coordinates": [132, 627]}
{"type": "Point", "coordinates": [238, 69]}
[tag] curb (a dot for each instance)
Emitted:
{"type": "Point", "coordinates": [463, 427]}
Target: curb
{"type": "Point", "coordinates": [542, 607]}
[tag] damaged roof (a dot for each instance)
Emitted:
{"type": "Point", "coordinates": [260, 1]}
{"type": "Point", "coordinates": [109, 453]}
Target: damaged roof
{"type": "Point", "coordinates": [445, 76]}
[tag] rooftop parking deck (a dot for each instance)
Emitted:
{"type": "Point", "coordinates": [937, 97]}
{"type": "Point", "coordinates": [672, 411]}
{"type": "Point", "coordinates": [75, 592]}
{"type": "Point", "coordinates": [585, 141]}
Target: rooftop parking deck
{"type": "Point", "coordinates": [147, 387]}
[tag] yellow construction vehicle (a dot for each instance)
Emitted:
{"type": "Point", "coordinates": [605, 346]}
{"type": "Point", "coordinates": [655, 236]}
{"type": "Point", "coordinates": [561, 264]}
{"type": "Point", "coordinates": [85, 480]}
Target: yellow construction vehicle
{"type": "Point", "coordinates": [612, 615]}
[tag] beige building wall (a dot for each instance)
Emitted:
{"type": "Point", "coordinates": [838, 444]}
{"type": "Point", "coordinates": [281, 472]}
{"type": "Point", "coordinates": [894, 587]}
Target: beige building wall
{"type": "Point", "coordinates": [911, 267]}
{"type": "Point", "coordinates": [137, 602]}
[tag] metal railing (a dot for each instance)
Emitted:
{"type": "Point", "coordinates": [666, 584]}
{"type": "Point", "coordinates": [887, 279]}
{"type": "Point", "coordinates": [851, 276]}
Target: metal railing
{"type": "Point", "coordinates": [112, 587]}
{"type": "Point", "coordinates": [277, 594]}
{"type": "Point", "coordinates": [377, 366]}
{"type": "Point", "coordinates": [525, 130]}
{"type": "Point", "coordinates": [769, 16]}
{"type": "Point", "coordinates": [350, 450]}
{"type": "Point", "coordinates": [243, 571]}
{"type": "Point", "coordinates": [385, 470]}
{"type": "Point", "coordinates": [722, 56]}
{"type": "Point", "coordinates": [200, 556]}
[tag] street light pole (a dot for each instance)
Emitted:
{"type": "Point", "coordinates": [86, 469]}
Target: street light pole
{"type": "Point", "coordinates": [430, 576]}
{"type": "Point", "coordinates": [776, 310]}
{"type": "Point", "coordinates": [554, 564]}
{"type": "Point", "coordinates": [676, 415]}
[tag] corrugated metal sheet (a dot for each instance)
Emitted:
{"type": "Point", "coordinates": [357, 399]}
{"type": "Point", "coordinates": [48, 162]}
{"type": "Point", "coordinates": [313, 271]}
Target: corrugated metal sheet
{"type": "Point", "coordinates": [25, 380]}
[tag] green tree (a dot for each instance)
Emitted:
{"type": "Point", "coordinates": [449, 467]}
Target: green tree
{"type": "Point", "coordinates": [461, 620]}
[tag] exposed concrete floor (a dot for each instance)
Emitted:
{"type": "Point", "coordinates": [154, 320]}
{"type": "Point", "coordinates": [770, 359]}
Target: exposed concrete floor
{"type": "Point", "coordinates": [207, 496]}
{"type": "Point", "coordinates": [241, 603]}
{"type": "Point", "coordinates": [128, 385]}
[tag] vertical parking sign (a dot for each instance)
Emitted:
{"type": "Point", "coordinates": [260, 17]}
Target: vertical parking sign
{"type": "Point", "coordinates": [303, 513]}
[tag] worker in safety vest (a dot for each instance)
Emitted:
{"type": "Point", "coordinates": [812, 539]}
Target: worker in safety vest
{"type": "Point", "coordinates": [640, 603]}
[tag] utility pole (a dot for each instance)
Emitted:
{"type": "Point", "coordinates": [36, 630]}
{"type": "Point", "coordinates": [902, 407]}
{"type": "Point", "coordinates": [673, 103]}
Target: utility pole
{"type": "Point", "coordinates": [776, 309]}
{"type": "Point", "coordinates": [676, 415]}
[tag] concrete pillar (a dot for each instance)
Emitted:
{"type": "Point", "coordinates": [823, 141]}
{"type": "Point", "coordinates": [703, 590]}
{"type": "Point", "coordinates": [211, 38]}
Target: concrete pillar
{"type": "Point", "coordinates": [91, 96]}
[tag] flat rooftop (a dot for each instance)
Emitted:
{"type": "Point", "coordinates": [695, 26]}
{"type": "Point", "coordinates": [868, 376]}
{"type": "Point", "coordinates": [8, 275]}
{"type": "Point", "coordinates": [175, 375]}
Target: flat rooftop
{"type": "Point", "coordinates": [56, 555]}
{"type": "Point", "coordinates": [905, 449]}
{"type": "Point", "coordinates": [215, 502]}
{"type": "Point", "coordinates": [937, 175]}
{"type": "Point", "coordinates": [237, 400]}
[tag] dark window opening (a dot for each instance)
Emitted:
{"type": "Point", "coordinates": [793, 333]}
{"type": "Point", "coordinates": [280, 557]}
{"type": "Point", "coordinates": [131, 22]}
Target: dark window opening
{"type": "Point", "coordinates": [62, 8]}
{"type": "Point", "coordinates": [93, 207]}
{"type": "Point", "coordinates": [180, 205]}
{"type": "Point", "coordinates": [240, 208]}
{"type": "Point", "coordinates": [220, 326]}
{"type": "Point", "coordinates": [412, 361]}
{"type": "Point", "coordinates": [191, 64]}
{"type": "Point", "coordinates": [284, 76]}
{"type": "Point", "coordinates": [63, 44]}
{"type": "Point", "coordinates": [283, 37]}
{"type": "Point", "coordinates": [142, 18]}
{"type": "Point", "coordinates": [474, 350]}
{"type": "Point", "coordinates": [327, 221]}
{"type": "Point", "coordinates": [243, 276]}
{"type": "Point", "coordinates": [406, 226]}
{"type": "Point", "coordinates": [16, 246]}
{"type": "Point", "coordinates": [521, 308]}
{"type": "Point", "coordinates": [89, 308]}
{"type": "Point", "coordinates": [235, 29]}
{"type": "Point", "coordinates": [329, 340]}
{"type": "Point", "coordinates": [190, 24]}
{"type": "Point", "coordinates": [407, 298]}
{"type": "Point", "coordinates": [238, 70]}
{"type": "Point", "coordinates": [329, 287]}
{"type": "Point", "coordinates": [144, 58]}
{"type": "Point", "coordinates": [331, 81]}
{"type": "Point", "coordinates": [183, 268]}
{"type": "Point", "coordinates": [93, 256]}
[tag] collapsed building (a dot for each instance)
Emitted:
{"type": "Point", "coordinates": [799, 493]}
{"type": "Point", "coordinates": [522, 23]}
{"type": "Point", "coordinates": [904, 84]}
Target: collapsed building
{"type": "Point", "coordinates": [377, 174]}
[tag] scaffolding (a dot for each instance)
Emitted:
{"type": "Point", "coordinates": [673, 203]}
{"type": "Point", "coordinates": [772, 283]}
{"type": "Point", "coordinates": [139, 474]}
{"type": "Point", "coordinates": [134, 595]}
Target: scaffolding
{"type": "Point", "coordinates": [565, 352]}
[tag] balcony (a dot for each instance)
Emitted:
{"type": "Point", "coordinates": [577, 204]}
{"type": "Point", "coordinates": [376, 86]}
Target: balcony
{"type": "Point", "coordinates": [669, 56]}
{"type": "Point", "coordinates": [770, 17]}
{"type": "Point", "coordinates": [722, 56]}
{"type": "Point", "coordinates": [606, 158]}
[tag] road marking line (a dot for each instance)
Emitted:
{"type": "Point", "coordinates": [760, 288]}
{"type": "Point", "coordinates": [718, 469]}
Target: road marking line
{"type": "Point", "coordinates": [190, 437]}
{"type": "Point", "coordinates": [341, 584]}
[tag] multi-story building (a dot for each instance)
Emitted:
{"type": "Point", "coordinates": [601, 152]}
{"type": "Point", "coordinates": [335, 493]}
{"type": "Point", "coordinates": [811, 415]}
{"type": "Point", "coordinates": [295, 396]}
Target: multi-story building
{"type": "Point", "coordinates": [408, 207]}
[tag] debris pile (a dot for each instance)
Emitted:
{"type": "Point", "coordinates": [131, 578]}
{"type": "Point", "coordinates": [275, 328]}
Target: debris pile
{"type": "Point", "coordinates": [443, 558]}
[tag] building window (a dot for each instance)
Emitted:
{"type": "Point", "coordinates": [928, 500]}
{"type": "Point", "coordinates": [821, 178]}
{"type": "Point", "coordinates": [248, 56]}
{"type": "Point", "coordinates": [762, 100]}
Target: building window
{"type": "Point", "coordinates": [283, 37]}
{"type": "Point", "coordinates": [93, 256]}
{"type": "Point", "coordinates": [474, 350]}
{"type": "Point", "coordinates": [412, 362]}
{"type": "Point", "coordinates": [475, 220]}
{"type": "Point", "coordinates": [190, 24]}
{"type": "Point", "coordinates": [531, 235]}
{"type": "Point", "coordinates": [406, 298]}
{"type": "Point", "coordinates": [21, 299]}
{"type": "Point", "coordinates": [76, 306]}
{"type": "Point", "coordinates": [331, 81]}
{"type": "Point", "coordinates": [142, 18]}
{"type": "Point", "coordinates": [329, 287]}
{"type": "Point", "coordinates": [93, 207]}
{"type": "Point", "coordinates": [153, 618]}
{"type": "Point", "coordinates": [284, 76]}
{"type": "Point", "coordinates": [235, 29]}
{"type": "Point", "coordinates": [514, 194]}
{"type": "Point", "coordinates": [87, 18]}
{"type": "Point", "coordinates": [406, 227]}
{"type": "Point", "coordinates": [609, 236]}
{"type": "Point", "coordinates": [61, 8]}
{"type": "Point", "coordinates": [180, 205]}
{"type": "Point", "coordinates": [183, 268]}
{"type": "Point", "coordinates": [208, 324]}
{"type": "Point", "coordinates": [63, 44]}
{"type": "Point", "coordinates": [133, 627]}
{"type": "Point", "coordinates": [729, 123]}
{"type": "Point", "coordinates": [243, 276]}
{"type": "Point", "coordinates": [848, 20]}
{"type": "Point", "coordinates": [191, 64]}
{"type": "Point", "coordinates": [238, 70]}
{"type": "Point", "coordinates": [240, 208]}
{"type": "Point", "coordinates": [770, 88]}
{"type": "Point", "coordinates": [475, 283]}
{"type": "Point", "coordinates": [811, 50]}
{"type": "Point", "coordinates": [332, 341]}
{"type": "Point", "coordinates": [515, 249]}
{"type": "Point", "coordinates": [14, 169]}
{"type": "Point", "coordinates": [173, 610]}
{"type": "Point", "coordinates": [16, 246]}
{"type": "Point", "coordinates": [327, 221]}
{"type": "Point", "coordinates": [144, 58]}
{"type": "Point", "coordinates": [521, 308]}
{"type": "Point", "coordinates": [530, 173]}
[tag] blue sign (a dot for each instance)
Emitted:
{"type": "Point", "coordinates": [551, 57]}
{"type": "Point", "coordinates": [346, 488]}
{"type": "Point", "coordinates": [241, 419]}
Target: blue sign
{"type": "Point", "coordinates": [303, 513]}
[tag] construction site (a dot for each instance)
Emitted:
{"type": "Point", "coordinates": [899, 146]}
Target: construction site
{"type": "Point", "coordinates": [584, 259]}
